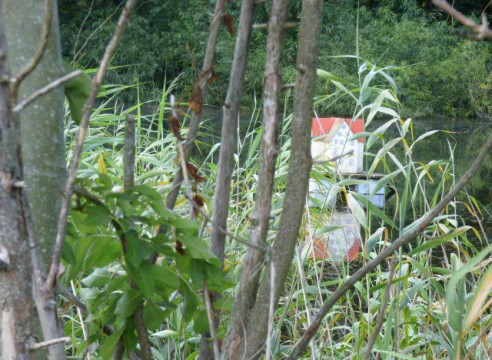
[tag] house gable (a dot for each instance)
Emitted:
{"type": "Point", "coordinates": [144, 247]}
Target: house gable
{"type": "Point", "coordinates": [331, 139]}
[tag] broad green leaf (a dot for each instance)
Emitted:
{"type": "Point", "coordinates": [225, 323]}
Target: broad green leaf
{"type": "Point", "coordinates": [153, 315]}
{"type": "Point", "coordinates": [197, 273]}
{"type": "Point", "coordinates": [193, 355]}
{"type": "Point", "coordinates": [453, 292]}
{"type": "Point", "coordinates": [144, 277]}
{"type": "Point", "coordinates": [328, 228]}
{"type": "Point", "coordinates": [215, 277]}
{"type": "Point", "coordinates": [374, 238]}
{"type": "Point", "coordinates": [109, 344]}
{"type": "Point", "coordinates": [430, 244]}
{"type": "Point", "coordinates": [128, 303]}
{"type": "Point", "coordinates": [164, 334]}
{"type": "Point", "coordinates": [77, 92]}
{"type": "Point", "coordinates": [482, 292]}
{"type": "Point", "coordinates": [165, 278]}
{"type": "Point", "coordinates": [357, 210]}
{"type": "Point", "coordinates": [135, 253]}
{"type": "Point", "coordinates": [102, 251]}
{"type": "Point", "coordinates": [184, 226]}
{"type": "Point", "coordinates": [68, 254]}
{"type": "Point", "coordinates": [98, 278]}
{"type": "Point", "coordinates": [189, 306]}
{"type": "Point", "coordinates": [197, 248]}
{"type": "Point", "coordinates": [147, 191]}
{"type": "Point", "coordinates": [200, 322]}
{"type": "Point", "coordinates": [130, 339]}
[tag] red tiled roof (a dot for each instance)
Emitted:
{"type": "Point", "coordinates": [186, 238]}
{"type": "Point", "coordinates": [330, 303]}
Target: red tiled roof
{"type": "Point", "coordinates": [322, 126]}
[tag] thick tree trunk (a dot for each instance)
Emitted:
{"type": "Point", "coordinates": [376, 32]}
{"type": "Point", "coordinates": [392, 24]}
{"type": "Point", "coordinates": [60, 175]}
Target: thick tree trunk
{"type": "Point", "coordinates": [250, 346]}
{"type": "Point", "coordinates": [269, 150]}
{"type": "Point", "coordinates": [42, 125]}
{"type": "Point", "coordinates": [230, 120]}
{"type": "Point", "coordinates": [16, 306]}
{"type": "Point", "coordinates": [43, 146]}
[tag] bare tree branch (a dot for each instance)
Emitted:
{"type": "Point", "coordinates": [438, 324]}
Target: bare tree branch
{"type": "Point", "coordinates": [482, 30]}
{"type": "Point", "coordinates": [43, 44]}
{"type": "Point", "coordinates": [47, 343]}
{"type": "Point", "coordinates": [419, 227]}
{"type": "Point", "coordinates": [84, 124]}
{"type": "Point", "coordinates": [239, 239]}
{"type": "Point", "coordinates": [335, 158]}
{"type": "Point", "coordinates": [207, 70]}
{"type": "Point", "coordinates": [129, 153]}
{"type": "Point", "coordinates": [44, 90]}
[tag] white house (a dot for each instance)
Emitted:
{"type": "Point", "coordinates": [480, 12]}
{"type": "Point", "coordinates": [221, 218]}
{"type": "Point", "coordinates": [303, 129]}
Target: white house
{"type": "Point", "coordinates": [332, 137]}
{"type": "Point", "coordinates": [341, 244]}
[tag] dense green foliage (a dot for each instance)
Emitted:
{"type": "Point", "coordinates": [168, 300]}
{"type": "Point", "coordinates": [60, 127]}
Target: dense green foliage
{"type": "Point", "coordinates": [436, 308]}
{"type": "Point", "coordinates": [437, 305]}
{"type": "Point", "coordinates": [439, 73]}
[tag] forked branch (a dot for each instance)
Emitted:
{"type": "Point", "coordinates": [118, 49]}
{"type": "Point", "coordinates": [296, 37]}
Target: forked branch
{"type": "Point", "coordinates": [43, 44]}
{"type": "Point", "coordinates": [482, 31]}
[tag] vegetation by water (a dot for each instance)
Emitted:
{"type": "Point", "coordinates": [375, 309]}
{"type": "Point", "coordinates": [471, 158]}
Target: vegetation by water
{"type": "Point", "coordinates": [439, 73]}
{"type": "Point", "coordinates": [228, 267]}
{"type": "Point", "coordinates": [426, 309]}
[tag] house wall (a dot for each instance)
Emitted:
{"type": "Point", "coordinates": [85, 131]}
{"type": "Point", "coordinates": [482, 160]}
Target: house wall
{"type": "Point", "coordinates": [324, 149]}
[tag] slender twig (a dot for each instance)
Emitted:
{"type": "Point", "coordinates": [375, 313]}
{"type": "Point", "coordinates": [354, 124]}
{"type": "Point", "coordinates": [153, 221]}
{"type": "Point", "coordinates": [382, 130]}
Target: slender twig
{"type": "Point", "coordinates": [471, 351]}
{"type": "Point", "coordinates": [271, 313]}
{"type": "Point", "coordinates": [335, 158]}
{"type": "Point", "coordinates": [73, 298]}
{"type": "Point", "coordinates": [240, 240]}
{"type": "Point", "coordinates": [84, 124]}
{"type": "Point", "coordinates": [382, 310]}
{"type": "Point", "coordinates": [79, 312]}
{"type": "Point", "coordinates": [211, 322]}
{"type": "Point", "coordinates": [80, 29]}
{"type": "Point", "coordinates": [129, 153]}
{"type": "Point", "coordinates": [405, 238]}
{"type": "Point", "coordinates": [207, 71]}
{"type": "Point", "coordinates": [183, 159]}
{"type": "Point", "coordinates": [482, 30]}
{"type": "Point", "coordinates": [43, 44]}
{"type": "Point", "coordinates": [47, 343]}
{"type": "Point", "coordinates": [46, 89]}
{"type": "Point", "coordinates": [75, 57]}
{"type": "Point", "coordinates": [287, 25]}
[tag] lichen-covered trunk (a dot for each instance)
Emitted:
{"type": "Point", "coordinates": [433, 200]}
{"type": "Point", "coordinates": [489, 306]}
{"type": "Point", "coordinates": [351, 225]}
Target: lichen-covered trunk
{"type": "Point", "coordinates": [282, 252]}
{"type": "Point", "coordinates": [16, 305]}
{"type": "Point", "coordinates": [42, 125]}
{"type": "Point", "coordinates": [42, 145]}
